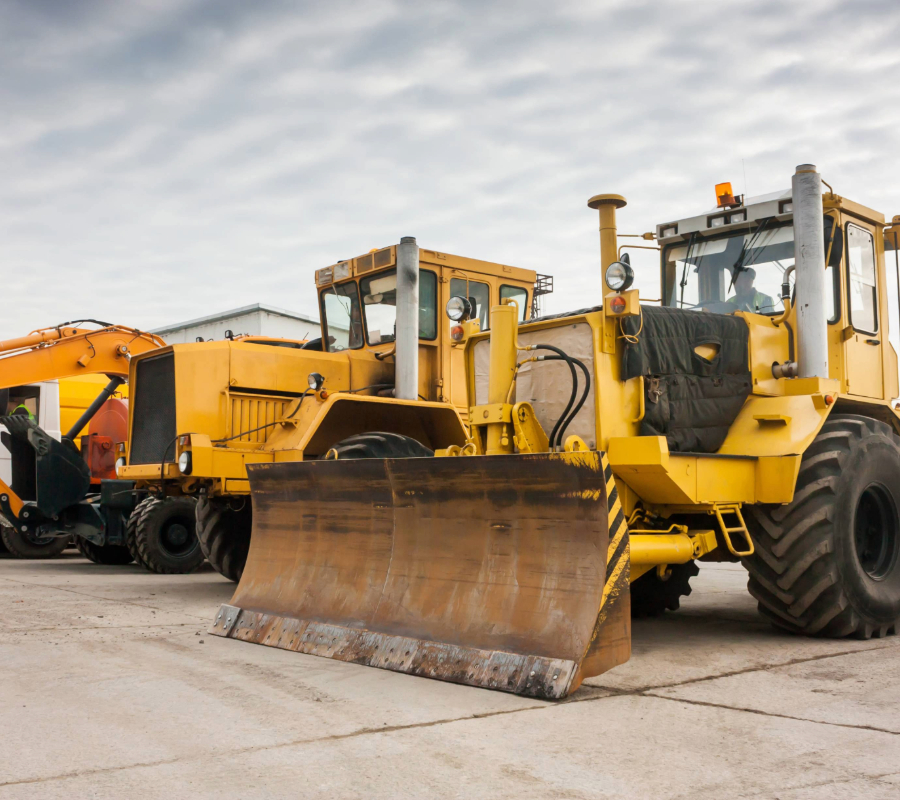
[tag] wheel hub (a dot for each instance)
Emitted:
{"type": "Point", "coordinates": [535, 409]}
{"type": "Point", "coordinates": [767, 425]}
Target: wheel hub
{"type": "Point", "coordinates": [876, 532]}
{"type": "Point", "coordinates": [176, 537]}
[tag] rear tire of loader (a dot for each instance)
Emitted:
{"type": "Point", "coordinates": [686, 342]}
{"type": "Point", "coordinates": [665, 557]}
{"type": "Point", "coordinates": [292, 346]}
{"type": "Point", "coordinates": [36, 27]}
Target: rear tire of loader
{"type": "Point", "coordinates": [224, 534]}
{"type": "Point", "coordinates": [21, 546]}
{"type": "Point", "coordinates": [165, 535]}
{"type": "Point", "coordinates": [828, 563]}
{"type": "Point", "coordinates": [378, 445]}
{"type": "Point", "coordinates": [111, 554]}
{"type": "Point", "coordinates": [651, 596]}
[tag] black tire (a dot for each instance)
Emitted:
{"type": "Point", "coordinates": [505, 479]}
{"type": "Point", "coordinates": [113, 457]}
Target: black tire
{"type": "Point", "coordinates": [828, 563]}
{"type": "Point", "coordinates": [131, 538]}
{"type": "Point", "coordinates": [378, 445]}
{"type": "Point", "coordinates": [165, 535]}
{"type": "Point", "coordinates": [651, 596]}
{"type": "Point", "coordinates": [21, 545]}
{"type": "Point", "coordinates": [114, 554]}
{"type": "Point", "coordinates": [224, 534]}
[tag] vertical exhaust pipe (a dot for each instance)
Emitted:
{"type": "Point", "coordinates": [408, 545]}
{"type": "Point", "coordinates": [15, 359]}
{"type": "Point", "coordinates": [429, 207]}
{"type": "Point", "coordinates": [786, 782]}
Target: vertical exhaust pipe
{"type": "Point", "coordinates": [406, 362]}
{"type": "Point", "coordinates": [607, 204]}
{"type": "Point", "coordinates": [809, 258]}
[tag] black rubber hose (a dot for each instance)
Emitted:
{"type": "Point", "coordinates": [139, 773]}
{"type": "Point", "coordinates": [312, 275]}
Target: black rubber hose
{"type": "Point", "coordinates": [581, 402]}
{"type": "Point", "coordinates": [563, 357]}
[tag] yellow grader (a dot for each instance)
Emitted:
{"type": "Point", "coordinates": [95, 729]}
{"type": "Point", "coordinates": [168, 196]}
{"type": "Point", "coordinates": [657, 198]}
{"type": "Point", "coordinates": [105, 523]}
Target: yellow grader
{"type": "Point", "coordinates": [748, 417]}
{"type": "Point", "coordinates": [202, 412]}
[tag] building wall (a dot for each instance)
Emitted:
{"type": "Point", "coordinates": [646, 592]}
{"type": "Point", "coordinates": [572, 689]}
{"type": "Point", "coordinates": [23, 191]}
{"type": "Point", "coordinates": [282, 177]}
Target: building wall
{"type": "Point", "coordinates": [257, 322]}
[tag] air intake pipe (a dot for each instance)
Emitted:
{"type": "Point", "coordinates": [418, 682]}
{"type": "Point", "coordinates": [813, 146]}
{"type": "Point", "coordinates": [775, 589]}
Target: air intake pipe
{"type": "Point", "coordinates": [406, 360]}
{"type": "Point", "coordinates": [809, 257]}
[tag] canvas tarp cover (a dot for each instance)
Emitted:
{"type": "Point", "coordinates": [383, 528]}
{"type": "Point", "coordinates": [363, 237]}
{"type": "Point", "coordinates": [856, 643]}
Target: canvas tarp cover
{"type": "Point", "coordinates": [689, 399]}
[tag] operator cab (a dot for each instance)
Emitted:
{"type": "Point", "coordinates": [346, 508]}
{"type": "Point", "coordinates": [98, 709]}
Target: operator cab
{"type": "Point", "coordinates": [358, 297]}
{"type": "Point", "coordinates": [737, 256]}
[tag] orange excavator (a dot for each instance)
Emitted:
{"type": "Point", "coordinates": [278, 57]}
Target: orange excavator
{"type": "Point", "coordinates": [52, 491]}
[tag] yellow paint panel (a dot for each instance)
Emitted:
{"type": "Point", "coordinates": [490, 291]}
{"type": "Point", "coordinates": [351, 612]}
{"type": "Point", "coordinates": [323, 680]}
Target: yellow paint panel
{"type": "Point", "coordinates": [723, 480]}
{"type": "Point", "coordinates": [768, 344]}
{"type": "Point", "coordinates": [748, 437]}
{"type": "Point", "coordinates": [776, 478]}
{"type": "Point", "coordinates": [657, 476]}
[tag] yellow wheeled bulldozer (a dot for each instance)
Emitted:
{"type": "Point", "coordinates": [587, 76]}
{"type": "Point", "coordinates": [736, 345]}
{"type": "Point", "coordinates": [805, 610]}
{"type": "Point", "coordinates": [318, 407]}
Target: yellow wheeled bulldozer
{"type": "Point", "coordinates": [202, 412]}
{"type": "Point", "coordinates": [747, 418]}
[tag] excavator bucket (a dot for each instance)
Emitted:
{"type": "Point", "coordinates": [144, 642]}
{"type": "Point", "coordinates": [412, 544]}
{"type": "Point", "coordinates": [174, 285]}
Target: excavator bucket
{"type": "Point", "coordinates": [505, 572]}
{"type": "Point", "coordinates": [47, 475]}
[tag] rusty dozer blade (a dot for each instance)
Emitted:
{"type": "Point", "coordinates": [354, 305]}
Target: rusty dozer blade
{"type": "Point", "coordinates": [505, 572]}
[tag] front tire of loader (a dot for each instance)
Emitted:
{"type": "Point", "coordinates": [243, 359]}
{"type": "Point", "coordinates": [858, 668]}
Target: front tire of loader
{"type": "Point", "coordinates": [111, 554]}
{"type": "Point", "coordinates": [828, 563]}
{"type": "Point", "coordinates": [378, 445]}
{"type": "Point", "coordinates": [131, 539]}
{"type": "Point", "coordinates": [22, 546]}
{"type": "Point", "coordinates": [165, 535]}
{"type": "Point", "coordinates": [224, 534]}
{"type": "Point", "coordinates": [651, 596]}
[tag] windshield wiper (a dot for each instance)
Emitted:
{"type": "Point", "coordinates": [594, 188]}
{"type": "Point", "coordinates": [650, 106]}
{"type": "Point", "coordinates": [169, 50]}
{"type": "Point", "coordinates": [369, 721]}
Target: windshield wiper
{"type": "Point", "coordinates": [687, 263]}
{"type": "Point", "coordinates": [738, 267]}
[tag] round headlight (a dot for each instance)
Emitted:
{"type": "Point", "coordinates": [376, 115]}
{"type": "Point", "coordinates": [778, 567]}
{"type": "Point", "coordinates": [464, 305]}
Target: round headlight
{"type": "Point", "coordinates": [459, 308]}
{"type": "Point", "coordinates": [619, 276]}
{"type": "Point", "coordinates": [315, 381]}
{"type": "Point", "coordinates": [120, 462]}
{"type": "Point", "coordinates": [185, 463]}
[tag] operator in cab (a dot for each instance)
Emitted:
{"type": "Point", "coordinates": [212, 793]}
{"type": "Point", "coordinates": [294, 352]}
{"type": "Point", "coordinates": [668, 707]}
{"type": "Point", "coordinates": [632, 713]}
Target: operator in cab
{"type": "Point", "coordinates": [747, 297]}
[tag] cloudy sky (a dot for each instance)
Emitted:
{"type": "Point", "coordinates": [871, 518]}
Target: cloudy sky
{"type": "Point", "coordinates": [166, 159]}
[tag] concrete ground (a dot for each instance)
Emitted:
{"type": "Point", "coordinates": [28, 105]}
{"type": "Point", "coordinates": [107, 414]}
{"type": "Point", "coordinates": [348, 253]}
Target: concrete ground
{"type": "Point", "coordinates": [112, 689]}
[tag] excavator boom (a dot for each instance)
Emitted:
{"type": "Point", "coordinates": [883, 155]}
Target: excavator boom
{"type": "Point", "coordinates": [64, 352]}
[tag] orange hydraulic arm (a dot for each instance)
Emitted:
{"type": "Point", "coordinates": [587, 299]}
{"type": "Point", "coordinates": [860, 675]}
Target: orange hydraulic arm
{"type": "Point", "coordinates": [63, 352]}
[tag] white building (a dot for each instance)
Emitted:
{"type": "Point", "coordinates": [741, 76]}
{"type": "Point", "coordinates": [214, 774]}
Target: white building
{"type": "Point", "coordinates": [257, 320]}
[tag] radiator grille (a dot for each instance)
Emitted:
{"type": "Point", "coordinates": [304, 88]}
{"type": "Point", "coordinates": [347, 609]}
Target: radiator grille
{"type": "Point", "coordinates": [248, 413]}
{"type": "Point", "coordinates": [153, 400]}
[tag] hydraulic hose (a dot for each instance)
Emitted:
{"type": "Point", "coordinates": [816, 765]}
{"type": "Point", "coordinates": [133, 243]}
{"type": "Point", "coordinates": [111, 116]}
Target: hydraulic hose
{"type": "Point", "coordinates": [584, 396]}
{"type": "Point", "coordinates": [562, 356]}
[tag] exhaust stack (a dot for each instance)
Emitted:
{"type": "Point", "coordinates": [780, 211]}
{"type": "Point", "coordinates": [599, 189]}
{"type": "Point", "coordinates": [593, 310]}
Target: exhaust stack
{"type": "Point", "coordinates": [809, 257]}
{"type": "Point", "coordinates": [406, 370]}
{"type": "Point", "coordinates": [607, 204]}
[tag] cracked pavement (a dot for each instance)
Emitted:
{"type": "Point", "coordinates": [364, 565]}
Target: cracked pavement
{"type": "Point", "coordinates": [113, 689]}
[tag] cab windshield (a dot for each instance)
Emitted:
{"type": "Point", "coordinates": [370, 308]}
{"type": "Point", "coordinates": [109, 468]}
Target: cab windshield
{"type": "Point", "coordinates": [343, 312]}
{"type": "Point", "coordinates": [379, 298]}
{"type": "Point", "coordinates": [741, 271]}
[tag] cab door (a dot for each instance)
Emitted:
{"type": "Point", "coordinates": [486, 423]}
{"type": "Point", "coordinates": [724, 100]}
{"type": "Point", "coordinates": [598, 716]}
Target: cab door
{"type": "Point", "coordinates": [862, 336]}
{"type": "Point", "coordinates": [478, 291]}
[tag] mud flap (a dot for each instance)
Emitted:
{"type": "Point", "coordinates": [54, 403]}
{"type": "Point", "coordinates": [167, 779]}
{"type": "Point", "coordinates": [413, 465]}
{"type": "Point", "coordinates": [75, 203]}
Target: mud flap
{"type": "Point", "coordinates": [505, 572]}
{"type": "Point", "coordinates": [47, 475]}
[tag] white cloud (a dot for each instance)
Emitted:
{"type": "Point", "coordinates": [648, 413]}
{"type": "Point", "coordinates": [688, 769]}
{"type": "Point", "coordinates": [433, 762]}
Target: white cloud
{"type": "Point", "coordinates": [166, 160]}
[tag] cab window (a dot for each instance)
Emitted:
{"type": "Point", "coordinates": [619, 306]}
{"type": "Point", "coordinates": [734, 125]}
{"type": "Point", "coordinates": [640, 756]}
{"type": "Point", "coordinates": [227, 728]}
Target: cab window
{"type": "Point", "coordinates": [379, 296]}
{"type": "Point", "coordinates": [518, 294]}
{"type": "Point", "coordinates": [479, 295]}
{"type": "Point", "coordinates": [24, 401]}
{"type": "Point", "coordinates": [343, 322]}
{"type": "Point", "coordinates": [862, 294]}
